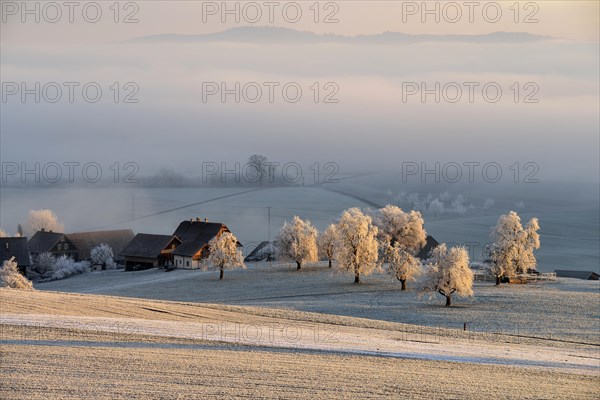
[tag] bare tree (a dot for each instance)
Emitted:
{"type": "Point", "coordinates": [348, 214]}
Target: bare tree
{"type": "Point", "coordinates": [224, 253]}
{"type": "Point", "coordinates": [260, 165]}
{"type": "Point", "coordinates": [357, 246]}
{"type": "Point", "coordinates": [326, 243]}
{"type": "Point", "coordinates": [297, 242]}
{"type": "Point", "coordinates": [448, 273]}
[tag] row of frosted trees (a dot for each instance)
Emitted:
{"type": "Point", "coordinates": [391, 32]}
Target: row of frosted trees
{"type": "Point", "coordinates": [390, 239]}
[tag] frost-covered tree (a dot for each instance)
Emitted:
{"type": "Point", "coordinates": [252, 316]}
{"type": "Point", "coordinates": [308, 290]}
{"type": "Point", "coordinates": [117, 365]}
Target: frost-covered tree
{"type": "Point", "coordinates": [448, 273]}
{"type": "Point", "coordinates": [43, 220]}
{"type": "Point", "coordinates": [103, 255]}
{"type": "Point", "coordinates": [403, 228]}
{"type": "Point", "coordinates": [224, 253]}
{"type": "Point", "coordinates": [12, 278]}
{"type": "Point", "coordinates": [3, 233]}
{"type": "Point", "coordinates": [44, 263]}
{"type": "Point", "coordinates": [357, 246]}
{"type": "Point", "coordinates": [326, 243]}
{"type": "Point", "coordinates": [297, 242]}
{"type": "Point", "coordinates": [65, 266]}
{"type": "Point", "coordinates": [402, 265]}
{"type": "Point", "coordinates": [513, 246]}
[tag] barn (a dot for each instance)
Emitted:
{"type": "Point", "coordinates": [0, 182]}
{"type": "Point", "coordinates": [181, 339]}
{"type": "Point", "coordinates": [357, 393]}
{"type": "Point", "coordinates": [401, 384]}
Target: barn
{"type": "Point", "coordinates": [85, 241]}
{"type": "Point", "coordinates": [148, 251]}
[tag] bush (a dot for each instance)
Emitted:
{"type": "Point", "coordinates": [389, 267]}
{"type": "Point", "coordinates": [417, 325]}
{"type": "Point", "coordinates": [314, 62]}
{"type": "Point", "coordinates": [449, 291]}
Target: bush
{"type": "Point", "coordinates": [66, 266]}
{"type": "Point", "coordinates": [12, 278]}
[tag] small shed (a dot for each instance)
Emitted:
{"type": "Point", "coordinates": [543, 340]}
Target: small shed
{"type": "Point", "coordinates": [148, 251]}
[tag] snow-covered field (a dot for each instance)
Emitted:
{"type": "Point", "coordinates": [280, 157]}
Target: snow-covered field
{"type": "Point", "coordinates": [564, 310]}
{"type": "Point", "coordinates": [73, 345]}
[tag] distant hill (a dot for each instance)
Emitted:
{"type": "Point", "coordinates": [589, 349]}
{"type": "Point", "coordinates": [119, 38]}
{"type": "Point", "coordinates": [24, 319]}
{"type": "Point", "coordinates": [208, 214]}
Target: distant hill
{"type": "Point", "coordinates": [278, 35]}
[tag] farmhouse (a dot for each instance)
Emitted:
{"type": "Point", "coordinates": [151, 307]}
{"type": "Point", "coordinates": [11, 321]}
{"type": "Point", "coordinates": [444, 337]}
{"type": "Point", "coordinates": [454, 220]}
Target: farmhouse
{"type": "Point", "coordinates": [147, 251]}
{"type": "Point", "coordinates": [195, 235]}
{"type": "Point", "coordinates": [15, 247]}
{"type": "Point", "coordinates": [57, 244]}
{"type": "Point", "coordinates": [85, 241]}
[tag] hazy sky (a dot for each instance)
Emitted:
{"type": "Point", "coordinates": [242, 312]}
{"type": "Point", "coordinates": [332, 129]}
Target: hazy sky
{"type": "Point", "coordinates": [372, 126]}
{"type": "Point", "coordinates": [565, 19]}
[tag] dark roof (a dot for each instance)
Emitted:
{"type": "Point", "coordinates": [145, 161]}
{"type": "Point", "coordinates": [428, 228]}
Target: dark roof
{"type": "Point", "coordinates": [14, 247]}
{"type": "Point", "coordinates": [195, 235]}
{"type": "Point", "coordinates": [147, 245]}
{"type": "Point", "coordinates": [193, 231]}
{"type": "Point", "coordinates": [264, 251]}
{"type": "Point", "coordinates": [43, 241]}
{"type": "Point", "coordinates": [188, 249]}
{"type": "Point", "coordinates": [586, 275]}
{"type": "Point", "coordinates": [430, 245]}
{"type": "Point", "coordinates": [86, 241]}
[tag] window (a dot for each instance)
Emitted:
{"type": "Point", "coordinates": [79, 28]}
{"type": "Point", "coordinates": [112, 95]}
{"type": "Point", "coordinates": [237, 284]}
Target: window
{"type": "Point", "coordinates": [66, 246]}
{"type": "Point", "coordinates": [59, 247]}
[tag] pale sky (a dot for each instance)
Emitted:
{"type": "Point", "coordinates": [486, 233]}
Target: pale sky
{"type": "Point", "coordinates": [576, 20]}
{"type": "Point", "coordinates": [559, 132]}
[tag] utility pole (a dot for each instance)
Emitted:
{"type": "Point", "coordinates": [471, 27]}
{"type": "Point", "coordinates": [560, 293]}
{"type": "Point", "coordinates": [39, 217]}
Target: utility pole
{"type": "Point", "coordinates": [269, 224]}
{"type": "Point", "coordinates": [132, 205]}
{"type": "Point", "coordinates": [269, 230]}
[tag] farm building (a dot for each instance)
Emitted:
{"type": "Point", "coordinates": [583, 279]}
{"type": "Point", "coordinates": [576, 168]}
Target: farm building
{"type": "Point", "coordinates": [195, 235]}
{"type": "Point", "coordinates": [265, 251]}
{"type": "Point", "coordinates": [585, 275]}
{"type": "Point", "coordinates": [85, 241]}
{"type": "Point", "coordinates": [429, 245]}
{"type": "Point", "coordinates": [57, 244]}
{"type": "Point", "coordinates": [148, 251]}
{"type": "Point", "coordinates": [15, 247]}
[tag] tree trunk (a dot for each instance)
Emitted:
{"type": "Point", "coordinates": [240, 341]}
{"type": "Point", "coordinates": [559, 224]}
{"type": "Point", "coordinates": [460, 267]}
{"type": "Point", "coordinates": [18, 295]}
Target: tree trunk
{"type": "Point", "coordinates": [330, 263]}
{"type": "Point", "coordinates": [221, 275]}
{"type": "Point", "coordinates": [299, 265]}
{"type": "Point", "coordinates": [448, 301]}
{"type": "Point", "coordinates": [497, 280]}
{"type": "Point", "coordinates": [403, 281]}
{"type": "Point", "coordinates": [357, 277]}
